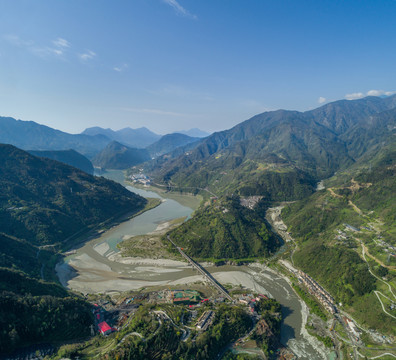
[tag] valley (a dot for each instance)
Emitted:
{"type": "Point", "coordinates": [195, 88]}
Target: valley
{"type": "Point", "coordinates": [285, 206]}
{"type": "Point", "coordinates": [97, 267]}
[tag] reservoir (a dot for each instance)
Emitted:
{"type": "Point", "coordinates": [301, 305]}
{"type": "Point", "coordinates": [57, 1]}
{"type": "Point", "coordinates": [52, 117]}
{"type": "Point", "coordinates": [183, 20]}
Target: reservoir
{"type": "Point", "coordinates": [96, 267]}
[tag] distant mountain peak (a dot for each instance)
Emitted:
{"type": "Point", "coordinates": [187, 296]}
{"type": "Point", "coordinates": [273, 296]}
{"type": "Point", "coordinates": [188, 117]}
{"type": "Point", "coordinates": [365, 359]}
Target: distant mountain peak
{"type": "Point", "coordinates": [194, 132]}
{"type": "Point", "coordinates": [119, 156]}
{"type": "Point", "coordinates": [137, 138]}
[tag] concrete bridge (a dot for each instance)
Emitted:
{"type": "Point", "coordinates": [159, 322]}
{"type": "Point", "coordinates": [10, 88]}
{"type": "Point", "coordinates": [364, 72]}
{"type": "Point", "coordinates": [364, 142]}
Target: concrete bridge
{"type": "Point", "coordinates": [202, 271]}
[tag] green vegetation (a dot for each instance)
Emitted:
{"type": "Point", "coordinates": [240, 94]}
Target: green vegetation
{"type": "Point", "coordinates": [118, 156]}
{"type": "Point", "coordinates": [152, 245]}
{"type": "Point", "coordinates": [267, 332]}
{"type": "Point", "coordinates": [365, 199]}
{"type": "Point", "coordinates": [148, 337]}
{"type": "Point", "coordinates": [164, 341]}
{"type": "Point", "coordinates": [45, 202]}
{"type": "Point", "coordinates": [226, 230]}
{"type": "Point", "coordinates": [69, 157]}
{"type": "Point", "coordinates": [345, 274]}
{"type": "Point", "coordinates": [313, 305]}
{"type": "Point", "coordinates": [326, 340]}
{"type": "Point", "coordinates": [26, 319]}
{"type": "Point", "coordinates": [168, 143]}
{"type": "Point", "coordinates": [230, 356]}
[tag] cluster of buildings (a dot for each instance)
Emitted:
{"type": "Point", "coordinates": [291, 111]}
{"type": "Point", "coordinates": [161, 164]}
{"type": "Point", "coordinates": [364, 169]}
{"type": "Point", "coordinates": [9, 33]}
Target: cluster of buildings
{"type": "Point", "coordinates": [390, 249]}
{"type": "Point", "coordinates": [186, 297]}
{"type": "Point", "coordinates": [316, 290]}
{"type": "Point", "coordinates": [205, 320]}
{"type": "Point", "coordinates": [103, 327]}
{"type": "Point", "coordinates": [250, 300]}
{"type": "Point", "coordinates": [250, 201]}
{"type": "Point", "coordinates": [140, 178]}
{"type": "Point", "coordinates": [352, 328]}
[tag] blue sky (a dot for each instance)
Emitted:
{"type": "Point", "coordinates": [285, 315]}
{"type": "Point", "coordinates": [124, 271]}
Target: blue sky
{"type": "Point", "coordinates": [176, 64]}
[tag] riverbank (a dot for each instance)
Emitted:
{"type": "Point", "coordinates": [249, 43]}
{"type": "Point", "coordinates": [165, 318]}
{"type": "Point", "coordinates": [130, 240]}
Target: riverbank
{"type": "Point", "coordinates": [97, 267]}
{"type": "Point", "coordinates": [91, 233]}
{"type": "Point", "coordinates": [185, 199]}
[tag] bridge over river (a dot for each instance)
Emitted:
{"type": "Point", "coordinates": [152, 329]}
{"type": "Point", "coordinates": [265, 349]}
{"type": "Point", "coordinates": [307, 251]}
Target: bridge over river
{"type": "Point", "coordinates": [202, 271]}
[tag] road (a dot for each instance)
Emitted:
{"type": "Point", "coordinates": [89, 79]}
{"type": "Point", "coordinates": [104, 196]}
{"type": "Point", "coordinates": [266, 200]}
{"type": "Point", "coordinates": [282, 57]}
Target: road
{"type": "Point", "coordinates": [202, 271]}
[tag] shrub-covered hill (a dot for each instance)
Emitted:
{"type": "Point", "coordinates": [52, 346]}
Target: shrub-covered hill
{"type": "Point", "coordinates": [119, 156]}
{"type": "Point", "coordinates": [26, 319]}
{"type": "Point", "coordinates": [168, 143]}
{"type": "Point", "coordinates": [69, 157]}
{"type": "Point", "coordinates": [329, 251]}
{"type": "Point", "coordinates": [226, 230]}
{"type": "Point", "coordinates": [296, 148]}
{"type": "Point", "coordinates": [33, 310]}
{"type": "Point", "coordinates": [45, 201]}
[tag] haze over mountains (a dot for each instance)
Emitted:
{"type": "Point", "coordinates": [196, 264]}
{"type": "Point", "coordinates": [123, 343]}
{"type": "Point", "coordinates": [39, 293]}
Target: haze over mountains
{"type": "Point", "coordinates": [138, 138]}
{"type": "Point", "coordinates": [118, 156]}
{"type": "Point", "coordinates": [34, 137]}
{"type": "Point", "coordinates": [69, 157]}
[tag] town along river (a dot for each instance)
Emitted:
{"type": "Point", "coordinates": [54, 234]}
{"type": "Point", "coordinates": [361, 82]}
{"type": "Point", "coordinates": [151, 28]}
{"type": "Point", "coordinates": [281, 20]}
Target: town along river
{"type": "Point", "coordinates": [96, 267]}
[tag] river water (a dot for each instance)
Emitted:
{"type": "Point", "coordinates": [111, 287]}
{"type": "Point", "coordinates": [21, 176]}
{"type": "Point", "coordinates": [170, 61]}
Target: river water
{"type": "Point", "coordinates": [93, 269]}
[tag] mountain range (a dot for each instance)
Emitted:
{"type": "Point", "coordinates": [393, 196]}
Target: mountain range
{"type": "Point", "coordinates": [291, 148]}
{"type": "Point", "coordinates": [36, 138]}
{"type": "Point", "coordinates": [44, 205]}
{"type": "Point", "coordinates": [136, 138]}
{"type": "Point", "coordinates": [170, 142]}
{"type": "Point", "coordinates": [279, 155]}
{"type": "Point", "coordinates": [29, 135]}
{"type": "Point", "coordinates": [118, 156]}
{"type": "Point", "coordinates": [44, 201]}
{"type": "Point", "coordinates": [195, 132]}
{"type": "Point", "coordinates": [69, 157]}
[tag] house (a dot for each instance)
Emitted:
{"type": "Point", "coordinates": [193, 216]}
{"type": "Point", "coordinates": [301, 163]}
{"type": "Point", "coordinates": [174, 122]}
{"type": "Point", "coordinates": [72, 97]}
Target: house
{"type": "Point", "coordinates": [104, 328]}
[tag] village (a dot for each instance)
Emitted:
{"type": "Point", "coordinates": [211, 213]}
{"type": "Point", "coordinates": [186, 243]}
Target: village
{"type": "Point", "coordinates": [199, 313]}
{"type": "Point", "coordinates": [140, 179]}
{"type": "Point", "coordinates": [110, 317]}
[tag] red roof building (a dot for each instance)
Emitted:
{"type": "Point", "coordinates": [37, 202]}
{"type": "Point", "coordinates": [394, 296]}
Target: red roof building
{"type": "Point", "coordinates": [104, 328]}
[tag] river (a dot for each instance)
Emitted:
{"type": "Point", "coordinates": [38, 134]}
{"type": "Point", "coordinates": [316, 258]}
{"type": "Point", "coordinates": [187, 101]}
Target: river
{"type": "Point", "coordinates": [96, 267]}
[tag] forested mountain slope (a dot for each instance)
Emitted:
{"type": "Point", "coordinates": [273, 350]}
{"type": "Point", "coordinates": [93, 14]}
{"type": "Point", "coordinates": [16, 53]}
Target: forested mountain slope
{"type": "Point", "coordinates": [168, 143]}
{"type": "Point", "coordinates": [44, 201]}
{"type": "Point", "coordinates": [69, 157]}
{"type": "Point", "coordinates": [307, 146]}
{"type": "Point", "coordinates": [119, 157]}
{"type": "Point", "coordinates": [356, 214]}
{"type": "Point", "coordinates": [226, 230]}
{"type": "Point", "coordinates": [137, 138]}
{"type": "Point", "coordinates": [29, 135]}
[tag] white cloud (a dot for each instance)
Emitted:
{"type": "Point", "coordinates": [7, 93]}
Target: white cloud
{"type": "Point", "coordinates": [179, 9]}
{"type": "Point", "coordinates": [121, 68]}
{"type": "Point", "coordinates": [57, 48]}
{"type": "Point", "coordinates": [354, 96]}
{"type": "Point", "coordinates": [380, 93]}
{"type": "Point", "coordinates": [61, 43]}
{"type": "Point", "coordinates": [360, 95]}
{"type": "Point", "coordinates": [88, 55]}
{"type": "Point", "coordinates": [321, 100]}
